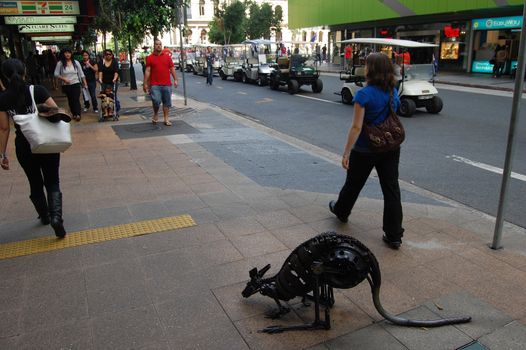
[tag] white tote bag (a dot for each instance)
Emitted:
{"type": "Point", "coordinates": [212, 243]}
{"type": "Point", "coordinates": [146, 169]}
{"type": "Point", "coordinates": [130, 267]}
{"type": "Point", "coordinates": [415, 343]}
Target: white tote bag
{"type": "Point", "coordinates": [43, 136]}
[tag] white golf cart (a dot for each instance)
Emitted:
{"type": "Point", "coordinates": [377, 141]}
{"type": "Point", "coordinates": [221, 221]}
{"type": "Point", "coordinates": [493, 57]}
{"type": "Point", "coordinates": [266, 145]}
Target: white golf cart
{"type": "Point", "coordinates": [233, 62]}
{"type": "Point", "coordinates": [200, 64]}
{"type": "Point", "coordinates": [415, 87]}
{"type": "Point", "coordinates": [259, 61]}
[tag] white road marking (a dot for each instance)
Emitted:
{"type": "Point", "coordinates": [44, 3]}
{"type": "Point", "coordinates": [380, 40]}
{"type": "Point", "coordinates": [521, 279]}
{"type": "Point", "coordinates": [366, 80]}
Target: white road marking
{"type": "Point", "coordinates": [487, 167]}
{"type": "Point", "coordinates": [318, 99]}
{"type": "Point", "coordinates": [241, 92]}
{"type": "Point", "coordinates": [476, 90]}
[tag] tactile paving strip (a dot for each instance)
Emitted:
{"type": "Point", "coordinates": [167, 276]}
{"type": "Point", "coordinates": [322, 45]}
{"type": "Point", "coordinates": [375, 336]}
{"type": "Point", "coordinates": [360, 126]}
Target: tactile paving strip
{"type": "Point", "coordinates": [74, 239]}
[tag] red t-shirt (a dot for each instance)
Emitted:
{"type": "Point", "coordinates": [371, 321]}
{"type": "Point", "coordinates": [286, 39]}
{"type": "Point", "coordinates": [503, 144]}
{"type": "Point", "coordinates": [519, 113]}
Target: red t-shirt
{"type": "Point", "coordinates": [348, 53]}
{"type": "Point", "coordinates": [159, 69]}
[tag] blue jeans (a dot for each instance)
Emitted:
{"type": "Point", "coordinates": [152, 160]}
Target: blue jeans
{"type": "Point", "coordinates": [161, 93]}
{"type": "Point", "coordinates": [209, 74]}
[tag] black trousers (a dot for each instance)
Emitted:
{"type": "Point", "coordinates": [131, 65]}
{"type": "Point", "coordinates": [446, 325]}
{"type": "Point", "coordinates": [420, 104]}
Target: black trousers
{"type": "Point", "coordinates": [41, 169]}
{"type": "Point", "coordinates": [92, 87]}
{"type": "Point", "coordinates": [73, 94]}
{"type": "Point", "coordinates": [360, 166]}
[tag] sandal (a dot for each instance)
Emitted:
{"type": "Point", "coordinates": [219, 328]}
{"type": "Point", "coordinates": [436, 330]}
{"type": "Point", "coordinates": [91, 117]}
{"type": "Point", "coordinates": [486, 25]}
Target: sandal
{"type": "Point", "coordinates": [168, 123]}
{"type": "Point", "coordinates": [154, 121]}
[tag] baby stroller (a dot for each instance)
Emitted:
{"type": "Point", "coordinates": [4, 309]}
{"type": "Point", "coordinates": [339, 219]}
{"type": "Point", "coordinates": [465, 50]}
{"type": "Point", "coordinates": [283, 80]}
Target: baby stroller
{"type": "Point", "coordinates": [110, 104]}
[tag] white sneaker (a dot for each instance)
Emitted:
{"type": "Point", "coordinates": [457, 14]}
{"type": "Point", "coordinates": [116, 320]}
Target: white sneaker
{"type": "Point", "coordinates": [95, 111]}
{"type": "Point", "coordinates": [85, 109]}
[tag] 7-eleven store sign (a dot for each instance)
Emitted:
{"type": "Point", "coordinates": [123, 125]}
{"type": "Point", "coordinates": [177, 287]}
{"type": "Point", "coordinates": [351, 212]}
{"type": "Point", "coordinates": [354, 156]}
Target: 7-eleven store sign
{"type": "Point", "coordinates": [49, 7]}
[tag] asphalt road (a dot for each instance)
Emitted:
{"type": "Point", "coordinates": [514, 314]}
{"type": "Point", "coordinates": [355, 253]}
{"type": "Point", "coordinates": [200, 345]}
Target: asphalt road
{"type": "Point", "coordinates": [457, 153]}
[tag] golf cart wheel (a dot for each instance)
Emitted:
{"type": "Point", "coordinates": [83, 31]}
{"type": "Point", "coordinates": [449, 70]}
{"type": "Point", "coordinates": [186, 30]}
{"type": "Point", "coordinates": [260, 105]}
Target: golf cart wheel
{"type": "Point", "coordinates": [317, 86]}
{"type": "Point", "coordinates": [237, 76]}
{"type": "Point", "coordinates": [222, 75]}
{"type": "Point", "coordinates": [245, 79]}
{"type": "Point", "coordinates": [194, 71]}
{"type": "Point", "coordinates": [260, 81]}
{"type": "Point", "coordinates": [434, 105]}
{"type": "Point", "coordinates": [274, 83]}
{"type": "Point", "coordinates": [346, 96]}
{"type": "Point", "coordinates": [407, 108]}
{"type": "Point", "coordinates": [293, 86]}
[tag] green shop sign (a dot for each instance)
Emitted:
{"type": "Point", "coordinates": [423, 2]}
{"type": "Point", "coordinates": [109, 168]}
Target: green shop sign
{"type": "Point", "coordinates": [497, 23]}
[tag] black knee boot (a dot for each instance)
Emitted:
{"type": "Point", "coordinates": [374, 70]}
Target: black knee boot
{"type": "Point", "coordinates": [40, 204]}
{"type": "Point", "coordinates": [55, 213]}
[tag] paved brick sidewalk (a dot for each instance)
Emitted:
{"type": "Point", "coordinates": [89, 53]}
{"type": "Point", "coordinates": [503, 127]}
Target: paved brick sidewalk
{"type": "Point", "coordinates": [182, 289]}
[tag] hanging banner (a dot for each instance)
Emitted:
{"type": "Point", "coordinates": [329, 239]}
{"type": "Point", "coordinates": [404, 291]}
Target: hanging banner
{"type": "Point", "coordinates": [46, 28]}
{"type": "Point", "coordinates": [9, 7]}
{"type": "Point", "coordinates": [40, 19]}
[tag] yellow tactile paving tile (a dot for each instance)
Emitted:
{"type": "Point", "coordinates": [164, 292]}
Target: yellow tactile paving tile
{"type": "Point", "coordinates": [74, 239]}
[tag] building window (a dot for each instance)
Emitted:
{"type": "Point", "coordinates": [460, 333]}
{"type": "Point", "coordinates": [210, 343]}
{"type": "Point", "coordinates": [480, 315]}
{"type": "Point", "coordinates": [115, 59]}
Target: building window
{"type": "Point", "coordinates": [201, 7]}
{"type": "Point", "coordinates": [320, 36]}
{"type": "Point", "coordinates": [304, 36]}
{"type": "Point", "coordinates": [203, 36]}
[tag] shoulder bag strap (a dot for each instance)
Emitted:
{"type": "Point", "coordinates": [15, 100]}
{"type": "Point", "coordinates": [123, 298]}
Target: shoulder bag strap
{"type": "Point", "coordinates": [31, 92]}
{"type": "Point", "coordinates": [388, 104]}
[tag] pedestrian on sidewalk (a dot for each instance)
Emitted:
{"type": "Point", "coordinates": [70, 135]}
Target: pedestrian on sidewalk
{"type": "Point", "coordinates": [359, 159]}
{"type": "Point", "coordinates": [210, 59]}
{"type": "Point", "coordinates": [108, 70]}
{"type": "Point", "coordinates": [501, 56]}
{"type": "Point", "coordinates": [42, 170]}
{"type": "Point", "coordinates": [90, 70]}
{"type": "Point", "coordinates": [70, 73]}
{"type": "Point", "coordinates": [157, 81]}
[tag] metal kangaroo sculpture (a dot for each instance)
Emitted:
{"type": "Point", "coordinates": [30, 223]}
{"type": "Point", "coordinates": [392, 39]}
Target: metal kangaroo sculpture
{"type": "Point", "coordinates": [318, 265]}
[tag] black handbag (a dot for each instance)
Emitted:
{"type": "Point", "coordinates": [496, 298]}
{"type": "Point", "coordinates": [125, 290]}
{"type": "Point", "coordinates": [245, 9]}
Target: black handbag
{"type": "Point", "coordinates": [387, 135]}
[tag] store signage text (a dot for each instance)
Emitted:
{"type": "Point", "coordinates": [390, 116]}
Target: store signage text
{"type": "Point", "coordinates": [51, 38]}
{"type": "Point", "coordinates": [9, 7]}
{"type": "Point", "coordinates": [40, 20]}
{"type": "Point", "coordinates": [497, 23]}
{"type": "Point", "coordinates": [46, 28]}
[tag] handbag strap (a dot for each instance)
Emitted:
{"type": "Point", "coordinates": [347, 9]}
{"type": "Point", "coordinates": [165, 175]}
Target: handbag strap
{"type": "Point", "coordinates": [34, 105]}
{"type": "Point", "coordinates": [388, 104]}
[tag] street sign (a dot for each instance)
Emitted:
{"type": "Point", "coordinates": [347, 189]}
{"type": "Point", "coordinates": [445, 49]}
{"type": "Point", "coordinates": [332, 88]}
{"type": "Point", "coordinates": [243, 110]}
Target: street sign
{"type": "Point", "coordinates": [51, 38]}
{"type": "Point", "coordinates": [10, 7]}
{"type": "Point", "coordinates": [46, 28]}
{"type": "Point", "coordinates": [40, 19]}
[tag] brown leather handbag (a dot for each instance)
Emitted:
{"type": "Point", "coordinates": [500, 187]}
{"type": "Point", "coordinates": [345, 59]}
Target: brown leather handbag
{"type": "Point", "coordinates": [387, 135]}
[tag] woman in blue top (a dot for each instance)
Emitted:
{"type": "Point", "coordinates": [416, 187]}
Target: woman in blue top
{"type": "Point", "coordinates": [371, 106]}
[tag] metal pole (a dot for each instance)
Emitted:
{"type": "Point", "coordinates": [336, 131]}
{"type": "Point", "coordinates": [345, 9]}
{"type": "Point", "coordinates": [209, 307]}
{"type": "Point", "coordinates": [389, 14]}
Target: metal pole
{"type": "Point", "coordinates": [517, 95]}
{"type": "Point", "coordinates": [181, 62]}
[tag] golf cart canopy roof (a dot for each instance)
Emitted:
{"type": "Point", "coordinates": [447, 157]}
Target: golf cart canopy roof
{"type": "Point", "coordinates": [390, 42]}
{"type": "Point", "coordinates": [259, 42]}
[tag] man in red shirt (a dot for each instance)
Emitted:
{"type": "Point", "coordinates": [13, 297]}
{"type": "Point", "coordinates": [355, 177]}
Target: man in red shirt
{"type": "Point", "coordinates": [157, 81]}
{"type": "Point", "coordinates": [348, 55]}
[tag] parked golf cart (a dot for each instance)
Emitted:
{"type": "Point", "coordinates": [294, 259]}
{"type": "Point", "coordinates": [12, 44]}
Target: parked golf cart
{"type": "Point", "coordinates": [294, 72]}
{"type": "Point", "coordinates": [416, 88]}
{"type": "Point", "coordinates": [259, 61]}
{"type": "Point", "coordinates": [233, 62]}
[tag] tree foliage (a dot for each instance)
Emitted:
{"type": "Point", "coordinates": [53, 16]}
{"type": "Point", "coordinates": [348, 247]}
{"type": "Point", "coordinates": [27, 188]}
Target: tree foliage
{"type": "Point", "coordinates": [262, 19]}
{"type": "Point", "coordinates": [228, 25]}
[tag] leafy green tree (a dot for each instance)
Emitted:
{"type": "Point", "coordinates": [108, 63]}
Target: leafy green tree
{"type": "Point", "coordinates": [228, 25]}
{"type": "Point", "coordinates": [262, 19]}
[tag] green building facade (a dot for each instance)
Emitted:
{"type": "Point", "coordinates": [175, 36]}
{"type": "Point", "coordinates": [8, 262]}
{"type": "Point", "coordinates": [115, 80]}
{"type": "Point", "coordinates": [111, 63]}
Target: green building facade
{"type": "Point", "coordinates": [468, 32]}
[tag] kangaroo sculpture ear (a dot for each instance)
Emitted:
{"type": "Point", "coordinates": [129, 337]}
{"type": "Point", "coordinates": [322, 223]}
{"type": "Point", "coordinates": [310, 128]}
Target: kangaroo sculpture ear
{"type": "Point", "coordinates": [253, 273]}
